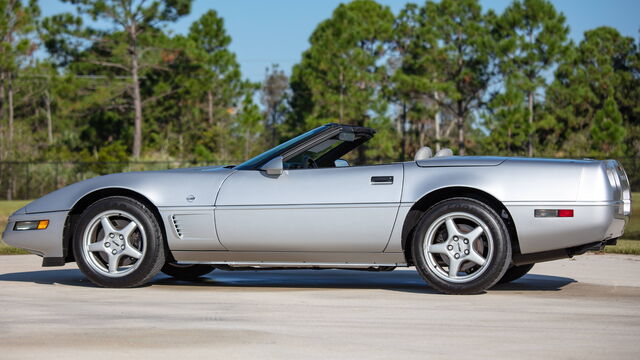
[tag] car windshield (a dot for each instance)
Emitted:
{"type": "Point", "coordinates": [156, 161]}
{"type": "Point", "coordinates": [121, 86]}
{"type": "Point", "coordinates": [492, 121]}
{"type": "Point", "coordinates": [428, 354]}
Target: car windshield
{"type": "Point", "coordinates": [258, 160]}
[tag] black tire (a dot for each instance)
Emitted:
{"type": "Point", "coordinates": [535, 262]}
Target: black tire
{"type": "Point", "coordinates": [151, 252]}
{"type": "Point", "coordinates": [515, 273]}
{"type": "Point", "coordinates": [495, 246]}
{"type": "Point", "coordinates": [186, 272]}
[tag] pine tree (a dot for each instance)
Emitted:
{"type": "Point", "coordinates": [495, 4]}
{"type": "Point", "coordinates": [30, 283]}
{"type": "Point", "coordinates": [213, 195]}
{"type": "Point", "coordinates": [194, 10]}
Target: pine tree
{"type": "Point", "coordinates": [128, 49]}
{"type": "Point", "coordinates": [274, 95]}
{"type": "Point", "coordinates": [17, 43]}
{"type": "Point", "coordinates": [341, 74]}
{"type": "Point", "coordinates": [607, 131]}
{"type": "Point", "coordinates": [601, 69]}
{"type": "Point", "coordinates": [532, 38]}
{"type": "Point", "coordinates": [214, 76]}
{"type": "Point", "coordinates": [452, 51]}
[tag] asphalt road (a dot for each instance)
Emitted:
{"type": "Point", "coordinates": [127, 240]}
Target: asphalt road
{"type": "Point", "coordinates": [587, 308]}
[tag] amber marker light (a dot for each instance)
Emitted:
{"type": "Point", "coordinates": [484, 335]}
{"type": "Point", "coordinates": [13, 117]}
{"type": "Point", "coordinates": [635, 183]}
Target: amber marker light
{"type": "Point", "coordinates": [31, 225]}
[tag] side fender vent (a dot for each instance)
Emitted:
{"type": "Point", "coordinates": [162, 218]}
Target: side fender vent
{"type": "Point", "coordinates": [176, 226]}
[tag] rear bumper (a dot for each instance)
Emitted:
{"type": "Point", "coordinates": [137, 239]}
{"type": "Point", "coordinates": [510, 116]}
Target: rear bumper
{"type": "Point", "coordinates": [592, 222]}
{"type": "Point", "coordinates": [46, 243]}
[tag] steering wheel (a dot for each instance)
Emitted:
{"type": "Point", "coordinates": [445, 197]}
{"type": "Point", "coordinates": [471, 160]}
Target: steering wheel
{"type": "Point", "coordinates": [309, 163]}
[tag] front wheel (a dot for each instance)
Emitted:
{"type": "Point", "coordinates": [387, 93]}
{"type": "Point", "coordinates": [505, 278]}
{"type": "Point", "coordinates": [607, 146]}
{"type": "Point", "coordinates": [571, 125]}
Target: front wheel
{"type": "Point", "coordinates": [186, 272]}
{"type": "Point", "coordinates": [461, 246]}
{"type": "Point", "coordinates": [118, 243]}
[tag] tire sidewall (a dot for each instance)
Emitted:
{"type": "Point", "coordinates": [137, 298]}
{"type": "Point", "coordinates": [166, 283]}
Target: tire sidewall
{"type": "Point", "coordinates": [153, 257]}
{"type": "Point", "coordinates": [500, 258]}
{"type": "Point", "coordinates": [515, 272]}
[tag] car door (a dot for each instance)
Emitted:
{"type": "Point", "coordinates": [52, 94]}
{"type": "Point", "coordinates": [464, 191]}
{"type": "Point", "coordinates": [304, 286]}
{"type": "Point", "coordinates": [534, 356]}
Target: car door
{"type": "Point", "coordinates": [347, 209]}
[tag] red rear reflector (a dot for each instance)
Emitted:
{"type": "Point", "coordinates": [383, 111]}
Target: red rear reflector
{"type": "Point", "coordinates": [552, 213]}
{"type": "Point", "coordinates": [565, 213]}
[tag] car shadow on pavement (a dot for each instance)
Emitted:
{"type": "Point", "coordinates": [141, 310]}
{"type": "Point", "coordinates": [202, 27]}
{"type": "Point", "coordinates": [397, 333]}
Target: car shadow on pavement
{"type": "Point", "coordinates": [399, 280]}
{"type": "Point", "coordinates": [534, 282]}
{"type": "Point", "coordinates": [71, 277]}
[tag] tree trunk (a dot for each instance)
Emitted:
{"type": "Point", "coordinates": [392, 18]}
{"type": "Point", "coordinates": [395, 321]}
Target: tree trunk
{"type": "Point", "coordinates": [461, 146]}
{"type": "Point", "coordinates": [403, 149]}
{"type": "Point", "coordinates": [530, 135]}
{"type": "Point", "coordinates": [221, 146]}
{"type": "Point", "coordinates": [246, 144]}
{"type": "Point", "coordinates": [530, 139]}
{"type": "Point", "coordinates": [10, 101]}
{"type": "Point", "coordinates": [341, 95]}
{"type": "Point", "coordinates": [2, 147]}
{"type": "Point", "coordinates": [47, 101]}
{"type": "Point", "coordinates": [438, 119]}
{"type": "Point", "coordinates": [137, 101]}
{"type": "Point", "coordinates": [210, 106]}
{"type": "Point", "coordinates": [272, 130]}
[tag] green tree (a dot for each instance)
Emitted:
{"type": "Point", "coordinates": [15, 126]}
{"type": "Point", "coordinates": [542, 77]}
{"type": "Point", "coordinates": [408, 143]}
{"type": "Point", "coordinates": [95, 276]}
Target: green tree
{"type": "Point", "coordinates": [506, 122]}
{"type": "Point", "coordinates": [607, 132]}
{"type": "Point", "coordinates": [413, 80]}
{"type": "Point", "coordinates": [532, 38]}
{"type": "Point", "coordinates": [342, 73]}
{"type": "Point", "coordinates": [251, 126]}
{"type": "Point", "coordinates": [17, 43]}
{"type": "Point", "coordinates": [274, 96]}
{"type": "Point", "coordinates": [603, 68]}
{"type": "Point", "coordinates": [126, 42]}
{"type": "Point", "coordinates": [450, 58]}
{"type": "Point", "coordinates": [214, 77]}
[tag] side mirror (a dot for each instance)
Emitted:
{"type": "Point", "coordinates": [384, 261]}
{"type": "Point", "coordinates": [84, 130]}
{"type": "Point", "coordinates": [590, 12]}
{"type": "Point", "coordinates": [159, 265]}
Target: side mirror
{"type": "Point", "coordinates": [275, 166]}
{"type": "Point", "coordinates": [341, 163]}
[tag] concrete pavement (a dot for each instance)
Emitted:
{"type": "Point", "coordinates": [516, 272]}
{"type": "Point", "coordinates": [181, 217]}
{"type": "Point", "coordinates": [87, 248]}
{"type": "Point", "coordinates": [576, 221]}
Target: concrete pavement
{"type": "Point", "coordinates": [587, 308]}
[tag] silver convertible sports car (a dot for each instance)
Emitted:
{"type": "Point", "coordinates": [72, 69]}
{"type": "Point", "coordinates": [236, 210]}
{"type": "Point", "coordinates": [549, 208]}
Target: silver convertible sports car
{"type": "Point", "coordinates": [466, 223]}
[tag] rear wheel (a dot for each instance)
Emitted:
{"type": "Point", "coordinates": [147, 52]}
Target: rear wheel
{"type": "Point", "coordinates": [461, 246]}
{"type": "Point", "coordinates": [187, 272]}
{"type": "Point", "coordinates": [515, 273]}
{"type": "Point", "coordinates": [118, 243]}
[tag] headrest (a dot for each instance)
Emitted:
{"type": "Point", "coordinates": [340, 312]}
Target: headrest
{"type": "Point", "coordinates": [444, 153]}
{"type": "Point", "coordinates": [423, 153]}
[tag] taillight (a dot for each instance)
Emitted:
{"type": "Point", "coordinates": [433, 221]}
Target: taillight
{"type": "Point", "coordinates": [553, 213]}
{"type": "Point", "coordinates": [565, 213]}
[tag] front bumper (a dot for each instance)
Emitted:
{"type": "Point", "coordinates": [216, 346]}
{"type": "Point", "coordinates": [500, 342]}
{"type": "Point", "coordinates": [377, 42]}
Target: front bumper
{"type": "Point", "coordinates": [46, 243]}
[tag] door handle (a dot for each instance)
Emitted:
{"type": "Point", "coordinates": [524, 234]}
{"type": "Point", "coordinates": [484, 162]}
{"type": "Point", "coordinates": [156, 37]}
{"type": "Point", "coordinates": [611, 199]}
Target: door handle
{"type": "Point", "coordinates": [381, 180]}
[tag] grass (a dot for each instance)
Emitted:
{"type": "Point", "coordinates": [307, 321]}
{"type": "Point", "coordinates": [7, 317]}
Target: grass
{"type": "Point", "coordinates": [630, 244]}
{"type": "Point", "coordinates": [630, 247]}
{"type": "Point", "coordinates": [6, 209]}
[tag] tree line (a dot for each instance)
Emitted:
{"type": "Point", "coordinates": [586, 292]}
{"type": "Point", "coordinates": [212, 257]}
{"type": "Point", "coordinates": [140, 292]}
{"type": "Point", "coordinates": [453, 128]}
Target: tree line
{"type": "Point", "coordinates": [110, 82]}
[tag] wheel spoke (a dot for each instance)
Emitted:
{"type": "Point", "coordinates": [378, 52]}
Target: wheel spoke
{"type": "Point", "coordinates": [452, 228]}
{"type": "Point", "coordinates": [475, 257]}
{"type": "Point", "coordinates": [114, 261]}
{"type": "Point", "coordinates": [454, 267]}
{"type": "Point", "coordinates": [96, 246]}
{"type": "Point", "coordinates": [439, 248]}
{"type": "Point", "coordinates": [106, 225]}
{"type": "Point", "coordinates": [474, 234]}
{"type": "Point", "coordinates": [131, 251]}
{"type": "Point", "coordinates": [127, 230]}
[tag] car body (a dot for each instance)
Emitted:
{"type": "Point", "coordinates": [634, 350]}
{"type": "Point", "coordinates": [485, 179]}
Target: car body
{"type": "Point", "coordinates": [287, 209]}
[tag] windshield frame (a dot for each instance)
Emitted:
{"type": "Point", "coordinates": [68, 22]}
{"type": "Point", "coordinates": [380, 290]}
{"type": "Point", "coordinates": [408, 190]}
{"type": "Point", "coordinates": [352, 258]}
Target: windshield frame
{"type": "Point", "coordinates": [256, 162]}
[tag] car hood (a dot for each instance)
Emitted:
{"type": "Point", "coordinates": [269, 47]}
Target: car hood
{"type": "Point", "coordinates": [163, 188]}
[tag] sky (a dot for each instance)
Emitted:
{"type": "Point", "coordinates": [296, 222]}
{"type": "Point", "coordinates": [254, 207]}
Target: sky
{"type": "Point", "coordinates": [266, 32]}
